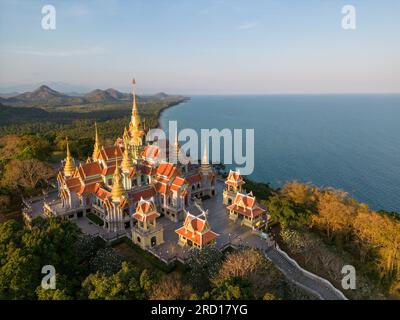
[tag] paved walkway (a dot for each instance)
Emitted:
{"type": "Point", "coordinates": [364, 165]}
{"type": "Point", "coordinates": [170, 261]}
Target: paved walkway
{"type": "Point", "coordinates": [320, 288]}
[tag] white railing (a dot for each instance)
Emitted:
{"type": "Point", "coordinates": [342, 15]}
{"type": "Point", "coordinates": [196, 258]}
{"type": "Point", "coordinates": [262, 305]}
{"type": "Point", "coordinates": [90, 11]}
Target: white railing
{"type": "Point", "coordinates": [309, 275]}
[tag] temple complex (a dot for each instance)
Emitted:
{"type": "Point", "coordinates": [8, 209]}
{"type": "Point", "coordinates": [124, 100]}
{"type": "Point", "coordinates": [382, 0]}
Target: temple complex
{"type": "Point", "coordinates": [116, 179]}
{"type": "Point", "coordinates": [133, 187]}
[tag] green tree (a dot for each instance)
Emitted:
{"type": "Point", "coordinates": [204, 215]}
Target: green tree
{"type": "Point", "coordinates": [233, 289]}
{"type": "Point", "coordinates": [147, 281]}
{"type": "Point", "coordinates": [26, 250]}
{"type": "Point", "coordinates": [123, 285]}
{"type": "Point", "coordinates": [286, 211]}
{"type": "Point", "coordinates": [86, 247]}
{"type": "Point", "coordinates": [105, 261]}
{"type": "Point", "coordinates": [204, 264]}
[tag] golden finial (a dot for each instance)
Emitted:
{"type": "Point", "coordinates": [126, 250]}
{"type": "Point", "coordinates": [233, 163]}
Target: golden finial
{"type": "Point", "coordinates": [134, 107]}
{"type": "Point", "coordinates": [97, 144]}
{"type": "Point", "coordinates": [69, 167]}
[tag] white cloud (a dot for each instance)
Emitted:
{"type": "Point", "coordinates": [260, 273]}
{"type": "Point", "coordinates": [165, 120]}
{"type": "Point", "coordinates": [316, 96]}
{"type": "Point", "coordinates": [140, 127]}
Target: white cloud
{"type": "Point", "coordinates": [247, 25]}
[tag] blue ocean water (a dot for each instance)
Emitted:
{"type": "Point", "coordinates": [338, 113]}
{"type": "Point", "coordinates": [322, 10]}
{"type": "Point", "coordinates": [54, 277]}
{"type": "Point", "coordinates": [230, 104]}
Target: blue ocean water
{"type": "Point", "coordinates": [351, 142]}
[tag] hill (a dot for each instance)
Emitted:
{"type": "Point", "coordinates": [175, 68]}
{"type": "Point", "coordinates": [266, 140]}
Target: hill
{"type": "Point", "coordinates": [45, 97]}
{"type": "Point", "coordinates": [99, 96]}
{"type": "Point", "coordinates": [41, 97]}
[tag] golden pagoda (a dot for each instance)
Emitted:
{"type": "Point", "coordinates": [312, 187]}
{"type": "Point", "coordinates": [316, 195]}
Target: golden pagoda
{"type": "Point", "coordinates": [127, 162]}
{"type": "Point", "coordinates": [134, 126]}
{"type": "Point", "coordinates": [174, 151]}
{"type": "Point", "coordinates": [69, 167]}
{"type": "Point", "coordinates": [205, 167]}
{"type": "Point", "coordinates": [117, 188]}
{"type": "Point", "coordinates": [97, 145]}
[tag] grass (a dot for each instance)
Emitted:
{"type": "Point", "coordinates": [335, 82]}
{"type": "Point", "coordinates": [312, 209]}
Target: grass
{"type": "Point", "coordinates": [95, 219]}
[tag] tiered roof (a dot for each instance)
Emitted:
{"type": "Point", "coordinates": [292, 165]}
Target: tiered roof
{"type": "Point", "coordinates": [146, 211]}
{"type": "Point", "coordinates": [197, 229]}
{"type": "Point", "coordinates": [234, 179]}
{"type": "Point", "coordinates": [246, 205]}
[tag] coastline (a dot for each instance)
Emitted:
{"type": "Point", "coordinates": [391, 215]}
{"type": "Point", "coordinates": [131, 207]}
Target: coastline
{"type": "Point", "coordinates": [169, 105]}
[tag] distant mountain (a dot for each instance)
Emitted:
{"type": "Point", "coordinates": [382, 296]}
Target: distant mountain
{"type": "Point", "coordinates": [41, 97]}
{"type": "Point", "coordinates": [99, 96]}
{"type": "Point", "coordinates": [41, 93]}
{"type": "Point", "coordinates": [44, 96]}
{"type": "Point", "coordinates": [118, 95]}
{"type": "Point", "coordinates": [160, 95]}
{"type": "Point", "coordinates": [55, 85]}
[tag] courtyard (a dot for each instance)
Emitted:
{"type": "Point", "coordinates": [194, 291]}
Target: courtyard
{"type": "Point", "coordinates": [230, 233]}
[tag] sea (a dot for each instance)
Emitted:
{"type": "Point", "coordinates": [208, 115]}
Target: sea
{"type": "Point", "coordinates": [350, 142]}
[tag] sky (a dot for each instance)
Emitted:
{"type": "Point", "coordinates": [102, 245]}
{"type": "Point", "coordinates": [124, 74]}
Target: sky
{"type": "Point", "coordinates": [202, 46]}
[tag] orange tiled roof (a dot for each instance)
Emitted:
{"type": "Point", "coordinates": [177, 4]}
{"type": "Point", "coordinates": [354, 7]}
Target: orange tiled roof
{"type": "Point", "coordinates": [72, 182]}
{"type": "Point", "coordinates": [136, 195]}
{"type": "Point", "coordinates": [194, 223]}
{"type": "Point", "coordinates": [177, 183]}
{"type": "Point", "coordinates": [93, 180]}
{"type": "Point", "coordinates": [246, 204]}
{"type": "Point", "coordinates": [199, 239]}
{"type": "Point", "coordinates": [90, 169]}
{"type": "Point", "coordinates": [146, 217]}
{"type": "Point", "coordinates": [161, 187]}
{"type": "Point", "coordinates": [110, 152]}
{"type": "Point", "coordinates": [166, 169]}
{"type": "Point", "coordinates": [87, 189]}
{"type": "Point", "coordinates": [234, 178]}
{"type": "Point", "coordinates": [102, 193]}
{"type": "Point", "coordinates": [145, 206]}
{"type": "Point", "coordinates": [193, 178]}
{"type": "Point", "coordinates": [151, 151]}
{"type": "Point", "coordinates": [110, 169]}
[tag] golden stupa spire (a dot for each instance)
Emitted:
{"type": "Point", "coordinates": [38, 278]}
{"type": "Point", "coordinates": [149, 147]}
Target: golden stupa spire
{"type": "Point", "coordinates": [135, 118]}
{"type": "Point", "coordinates": [205, 164]}
{"type": "Point", "coordinates": [69, 167]}
{"type": "Point", "coordinates": [134, 106]}
{"type": "Point", "coordinates": [97, 144]}
{"type": "Point", "coordinates": [127, 162]}
{"type": "Point", "coordinates": [174, 151]}
{"type": "Point", "coordinates": [117, 188]}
